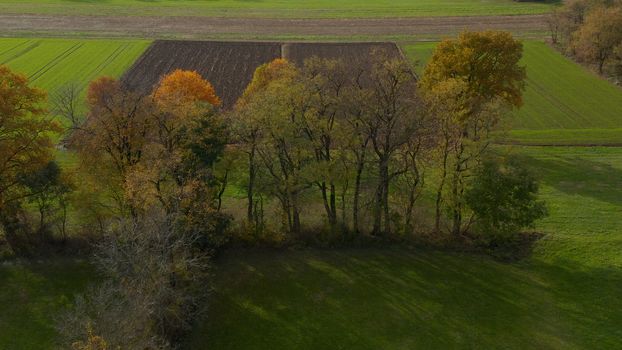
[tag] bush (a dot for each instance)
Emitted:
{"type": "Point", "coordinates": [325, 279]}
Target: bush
{"type": "Point", "coordinates": [503, 198]}
{"type": "Point", "coordinates": [157, 282]}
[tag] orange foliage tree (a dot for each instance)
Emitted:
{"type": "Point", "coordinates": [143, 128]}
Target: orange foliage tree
{"type": "Point", "coordinates": [183, 87]}
{"type": "Point", "coordinates": [184, 112]}
{"type": "Point", "coordinates": [113, 137]}
{"type": "Point", "coordinates": [25, 137]}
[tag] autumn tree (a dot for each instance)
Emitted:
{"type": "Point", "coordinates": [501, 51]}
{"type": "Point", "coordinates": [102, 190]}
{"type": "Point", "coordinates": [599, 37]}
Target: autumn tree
{"type": "Point", "coordinates": [276, 104]}
{"type": "Point", "coordinates": [314, 126]}
{"type": "Point", "coordinates": [66, 102]}
{"type": "Point", "coordinates": [326, 81]}
{"type": "Point", "coordinates": [48, 189]}
{"type": "Point", "coordinates": [444, 104]}
{"type": "Point", "coordinates": [596, 40]}
{"type": "Point", "coordinates": [249, 126]}
{"type": "Point", "coordinates": [185, 138]}
{"type": "Point", "coordinates": [481, 71]}
{"type": "Point", "coordinates": [155, 284]}
{"type": "Point", "coordinates": [112, 139]}
{"type": "Point", "coordinates": [393, 119]}
{"type": "Point", "coordinates": [354, 134]}
{"type": "Point", "coordinates": [25, 141]}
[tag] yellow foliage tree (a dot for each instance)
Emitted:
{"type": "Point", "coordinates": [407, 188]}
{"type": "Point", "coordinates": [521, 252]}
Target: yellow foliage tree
{"type": "Point", "coordinates": [249, 126]}
{"type": "Point", "coordinates": [468, 82]}
{"type": "Point", "coordinates": [598, 37]}
{"type": "Point", "coordinates": [183, 102]}
{"type": "Point", "coordinates": [488, 64]}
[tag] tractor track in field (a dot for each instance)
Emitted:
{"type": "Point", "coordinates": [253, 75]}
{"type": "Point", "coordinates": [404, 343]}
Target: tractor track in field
{"type": "Point", "coordinates": [19, 53]}
{"type": "Point", "coordinates": [210, 27]}
{"type": "Point", "coordinates": [51, 64]}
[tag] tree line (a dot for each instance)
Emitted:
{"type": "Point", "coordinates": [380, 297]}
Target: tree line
{"type": "Point", "coordinates": [383, 153]}
{"type": "Point", "coordinates": [324, 129]}
{"type": "Point", "coordinates": [591, 31]}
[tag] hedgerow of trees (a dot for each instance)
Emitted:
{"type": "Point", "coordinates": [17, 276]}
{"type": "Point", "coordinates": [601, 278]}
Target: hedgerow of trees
{"type": "Point", "coordinates": [590, 31]}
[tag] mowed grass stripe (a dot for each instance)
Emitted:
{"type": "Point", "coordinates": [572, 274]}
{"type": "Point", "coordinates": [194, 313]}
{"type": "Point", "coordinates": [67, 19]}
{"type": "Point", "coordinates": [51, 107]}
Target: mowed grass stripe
{"type": "Point", "coordinates": [560, 95]}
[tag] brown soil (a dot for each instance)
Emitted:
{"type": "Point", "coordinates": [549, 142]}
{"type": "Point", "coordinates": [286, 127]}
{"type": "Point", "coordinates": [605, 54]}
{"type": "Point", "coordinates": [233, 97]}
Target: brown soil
{"type": "Point", "coordinates": [203, 27]}
{"type": "Point", "coordinates": [229, 66]}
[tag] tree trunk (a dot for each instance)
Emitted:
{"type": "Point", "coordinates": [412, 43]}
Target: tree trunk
{"type": "Point", "coordinates": [357, 193]}
{"type": "Point", "coordinates": [343, 207]}
{"type": "Point", "coordinates": [327, 208]}
{"type": "Point", "coordinates": [333, 203]}
{"type": "Point", "coordinates": [42, 223]}
{"type": "Point", "coordinates": [457, 193]}
{"type": "Point", "coordinates": [251, 184]}
{"type": "Point", "coordinates": [412, 198]}
{"type": "Point", "coordinates": [222, 190]}
{"type": "Point", "coordinates": [385, 201]}
{"type": "Point", "coordinates": [439, 191]}
{"type": "Point", "coordinates": [295, 216]}
{"type": "Point", "coordinates": [330, 203]}
{"type": "Point", "coordinates": [381, 199]}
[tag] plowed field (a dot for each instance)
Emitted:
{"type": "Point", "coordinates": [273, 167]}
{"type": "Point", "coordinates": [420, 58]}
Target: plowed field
{"type": "Point", "coordinates": [229, 66]}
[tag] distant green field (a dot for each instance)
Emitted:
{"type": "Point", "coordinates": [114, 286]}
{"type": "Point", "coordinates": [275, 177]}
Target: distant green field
{"type": "Point", "coordinates": [278, 8]}
{"type": "Point", "coordinates": [53, 63]}
{"type": "Point", "coordinates": [564, 102]}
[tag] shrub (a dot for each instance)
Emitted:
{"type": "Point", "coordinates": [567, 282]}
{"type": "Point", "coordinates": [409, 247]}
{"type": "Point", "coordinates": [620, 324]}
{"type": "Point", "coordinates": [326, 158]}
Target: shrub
{"type": "Point", "coordinates": [157, 282]}
{"type": "Point", "coordinates": [503, 198]}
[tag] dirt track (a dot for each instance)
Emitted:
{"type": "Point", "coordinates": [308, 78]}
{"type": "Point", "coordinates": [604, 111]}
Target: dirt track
{"type": "Point", "coordinates": [203, 27]}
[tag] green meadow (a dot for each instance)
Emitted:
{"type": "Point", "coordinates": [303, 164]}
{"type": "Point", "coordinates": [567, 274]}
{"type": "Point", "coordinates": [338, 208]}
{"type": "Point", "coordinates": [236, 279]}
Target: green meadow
{"type": "Point", "coordinates": [277, 8]}
{"type": "Point", "coordinates": [565, 296]}
{"type": "Point", "coordinates": [31, 294]}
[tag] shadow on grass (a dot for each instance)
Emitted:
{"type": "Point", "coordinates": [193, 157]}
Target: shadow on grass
{"type": "Point", "coordinates": [401, 299]}
{"type": "Point", "coordinates": [31, 294]}
{"type": "Point", "coordinates": [579, 175]}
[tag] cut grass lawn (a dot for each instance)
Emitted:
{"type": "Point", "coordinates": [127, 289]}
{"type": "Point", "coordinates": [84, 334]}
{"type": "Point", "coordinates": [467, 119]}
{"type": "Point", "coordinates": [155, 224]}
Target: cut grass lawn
{"type": "Point", "coordinates": [566, 296]}
{"type": "Point", "coordinates": [31, 294]}
{"type": "Point", "coordinates": [53, 63]}
{"type": "Point", "coordinates": [277, 8]}
{"type": "Point", "coordinates": [564, 102]}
